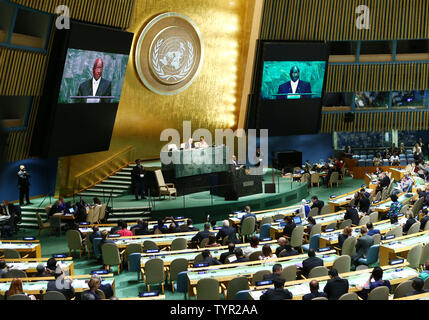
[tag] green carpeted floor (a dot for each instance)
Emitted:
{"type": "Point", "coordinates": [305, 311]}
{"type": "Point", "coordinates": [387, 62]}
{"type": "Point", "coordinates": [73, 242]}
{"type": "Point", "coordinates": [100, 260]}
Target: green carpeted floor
{"type": "Point", "coordinates": [126, 283]}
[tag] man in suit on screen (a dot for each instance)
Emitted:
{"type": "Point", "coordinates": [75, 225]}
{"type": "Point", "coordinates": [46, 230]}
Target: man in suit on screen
{"type": "Point", "coordinates": [97, 86]}
{"type": "Point", "coordinates": [294, 86]}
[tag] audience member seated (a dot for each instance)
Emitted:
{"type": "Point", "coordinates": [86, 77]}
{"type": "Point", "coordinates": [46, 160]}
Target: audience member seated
{"type": "Point", "coordinates": [425, 273]}
{"type": "Point", "coordinates": [116, 228]}
{"type": "Point", "coordinates": [418, 285]}
{"type": "Point", "coordinates": [363, 243]}
{"type": "Point", "coordinates": [41, 271]}
{"type": "Point", "coordinates": [277, 272]}
{"type": "Point", "coordinates": [267, 253]}
{"type": "Point", "coordinates": [363, 202]}
{"type": "Point", "coordinates": [371, 230]}
{"type": "Point", "coordinates": [278, 293]}
{"type": "Point", "coordinates": [352, 214]}
{"type": "Point", "coordinates": [281, 242]}
{"type": "Point", "coordinates": [104, 235]}
{"type": "Point", "coordinates": [311, 223]}
{"type": "Point", "coordinates": [247, 214]}
{"type": "Point", "coordinates": [95, 234]}
{"type": "Point", "coordinates": [395, 208]}
{"type": "Point", "coordinates": [202, 234]}
{"type": "Point", "coordinates": [58, 206]}
{"type": "Point", "coordinates": [227, 231]}
{"type": "Point", "coordinates": [378, 170]}
{"type": "Point", "coordinates": [288, 250]}
{"type": "Point", "coordinates": [212, 242]}
{"type": "Point", "coordinates": [377, 160]}
{"type": "Point", "coordinates": [317, 203]}
{"type": "Point", "coordinates": [207, 258]}
{"type": "Point", "coordinates": [143, 230]}
{"type": "Point", "coordinates": [288, 228]}
{"type": "Point", "coordinates": [240, 256]}
{"type": "Point", "coordinates": [394, 160]}
{"type": "Point", "coordinates": [347, 233]}
{"type": "Point", "coordinates": [314, 291]}
{"type": "Point", "coordinates": [159, 228]}
{"type": "Point", "coordinates": [410, 221]}
{"type": "Point", "coordinates": [16, 288]}
{"type": "Point", "coordinates": [386, 154]}
{"type": "Point", "coordinates": [61, 284]}
{"type": "Point", "coordinates": [336, 286]}
{"type": "Point", "coordinates": [124, 232]}
{"type": "Point", "coordinates": [254, 246]}
{"type": "Point", "coordinates": [230, 252]}
{"type": "Point", "coordinates": [92, 294]}
{"type": "Point", "coordinates": [304, 208]}
{"type": "Point", "coordinates": [311, 262]}
{"type": "Point", "coordinates": [424, 219]}
{"type": "Point", "coordinates": [173, 228]}
{"type": "Point", "coordinates": [189, 226]}
{"type": "Point", "coordinates": [383, 182]}
{"type": "Point", "coordinates": [377, 276]}
{"type": "Point", "coordinates": [137, 226]}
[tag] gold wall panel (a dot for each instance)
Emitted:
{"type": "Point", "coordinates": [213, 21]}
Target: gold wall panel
{"type": "Point", "coordinates": [211, 102]}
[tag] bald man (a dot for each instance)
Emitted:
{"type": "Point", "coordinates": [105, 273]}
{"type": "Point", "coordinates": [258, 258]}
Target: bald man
{"type": "Point", "coordinates": [294, 86]}
{"type": "Point", "coordinates": [97, 86]}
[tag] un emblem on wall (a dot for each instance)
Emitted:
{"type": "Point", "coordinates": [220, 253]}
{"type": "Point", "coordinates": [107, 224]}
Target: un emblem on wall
{"type": "Point", "coordinates": [169, 53]}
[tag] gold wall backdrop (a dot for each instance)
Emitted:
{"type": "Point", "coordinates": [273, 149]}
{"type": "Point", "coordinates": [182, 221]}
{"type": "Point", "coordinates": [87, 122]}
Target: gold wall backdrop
{"type": "Point", "coordinates": [210, 102]}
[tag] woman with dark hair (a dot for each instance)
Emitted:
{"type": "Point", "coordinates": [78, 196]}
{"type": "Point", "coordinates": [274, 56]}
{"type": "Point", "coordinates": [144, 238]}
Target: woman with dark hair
{"type": "Point", "coordinates": [347, 233]}
{"type": "Point", "coordinates": [254, 246]}
{"type": "Point", "coordinates": [395, 208]}
{"type": "Point", "coordinates": [290, 225]}
{"type": "Point", "coordinates": [212, 241]}
{"type": "Point", "coordinates": [311, 223]}
{"type": "Point", "coordinates": [267, 253]}
{"type": "Point", "coordinates": [96, 201]}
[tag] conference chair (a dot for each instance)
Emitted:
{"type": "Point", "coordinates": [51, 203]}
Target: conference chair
{"type": "Point", "coordinates": [164, 188]}
{"type": "Point", "coordinates": [264, 232]}
{"type": "Point", "coordinates": [378, 196]}
{"type": "Point", "coordinates": [426, 227]}
{"type": "Point", "coordinates": [379, 293]}
{"type": "Point", "coordinates": [349, 247]}
{"type": "Point", "coordinates": [313, 212]}
{"type": "Point", "coordinates": [414, 228]}
{"type": "Point", "coordinates": [326, 209]}
{"type": "Point", "coordinates": [342, 173]}
{"type": "Point", "coordinates": [297, 237]}
{"type": "Point", "coordinates": [102, 212]}
{"type": "Point", "coordinates": [364, 220]}
{"type": "Point", "coordinates": [177, 265]}
{"type": "Point", "coordinates": [111, 257]}
{"type": "Point", "coordinates": [267, 220]}
{"type": "Point", "coordinates": [42, 225]}
{"type": "Point", "coordinates": [361, 267]}
{"type": "Point", "coordinates": [182, 283]}
{"type": "Point", "coordinates": [96, 247]}
{"type": "Point", "coordinates": [225, 240]}
{"type": "Point", "coordinates": [11, 254]}
{"type": "Point", "coordinates": [349, 296]}
{"type": "Point", "coordinates": [90, 215]}
{"type": "Point", "coordinates": [315, 178]}
{"type": "Point", "coordinates": [313, 244]}
{"type": "Point", "coordinates": [19, 297]}
{"type": "Point", "coordinates": [179, 244]}
{"type": "Point", "coordinates": [333, 179]}
{"type": "Point", "coordinates": [319, 298]}
{"type": "Point", "coordinates": [259, 276]}
{"type": "Point", "coordinates": [132, 248]}
{"type": "Point", "coordinates": [373, 217]}
{"type": "Point", "coordinates": [154, 273]}
{"type": "Point", "coordinates": [56, 224]}
{"type": "Point", "coordinates": [403, 289]}
{"type": "Point", "coordinates": [397, 232]}
{"type": "Point", "coordinates": [247, 227]}
{"type": "Point", "coordinates": [54, 295]}
{"type": "Point", "coordinates": [74, 242]}
{"type": "Point", "coordinates": [425, 254]}
{"type": "Point", "coordinates": [134, 263]}
{"type": "Point", "coordinates": [305, 178]}
{"type": "Point", "coordinates": [198, 258]}
{"type": "Point", "coordinates": [15, 273]}
{"type": "Point", "coordinates": [372, 255]}
{"type": "Point", "coordinates": [418, 205]}
{"type": "Point", "coordinates": [332, 225]}
{"type": "Point", "coordinates": [234, 286]}
{"type": "Point", "coordinates": [278, 217]}
{"type": "Point", "coordinates": [242, 295]}
{"type": "Point", "coordinates": [342, 264]}
{"type": "Point", "coordinates": [404, 209]}
{"type": "Point", "coordinates": [414, 256]}
{"type": "Point", "coordinates": [377, 238]}
{"type": "Point", "coordinates": [289, 273]}
{"type": "Point", "coordinates": [203, 243]}
{"type": "Point", "coordinates": [208, 289]}
{"type": "Point", "coordinates": [317, 228]}
{"type": "Point", "coordinates": [149, 245]}
{"type": "Point", "coordinates": [345, 223]}
{"type": "Point", "coordinates": [426, 286]}
{"type": "Point", "coordinates": [89, 245]}
{"type": "Point", "coordinates": [254, 256]}
{"type": "Point", "coordinates": [96, 214]}
{"type": "Point", "coordinates": [317, 272]}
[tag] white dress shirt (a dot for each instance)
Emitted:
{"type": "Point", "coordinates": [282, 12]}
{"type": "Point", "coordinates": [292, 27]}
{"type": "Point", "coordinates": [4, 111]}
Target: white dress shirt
{"type": "Point", "coordinates": [95, 84]}
{"type": "Point", "coordinates": [294, 85]}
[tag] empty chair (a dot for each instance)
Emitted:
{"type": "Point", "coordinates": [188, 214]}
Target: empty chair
{"type": "Point", "coordinates": [373, 217]}
{"type": "Point", "coordinates": [264, 232]}
{"type": "Point", "coordinates": [349, 247]}
{"type": "Point", "coordinates": [42, 225]}
{"type": "Point", "coordinates": [96, 214]}
{"type": "Point", "coordinates": [425, 254]}
{"type": "Point", "coordinates": [379, 293]}
{"type": "Point", "coordinates": [414, 256]}
{"type": "Point", "coordinates": [74, 241]}
{"type": "Point", "coordinates": [259, 276]}
{"type": "Point", "coordinates": [314, 243]}
{"type": "Point", "coordinates": [203, 243]}
{"type": "Point", "coordinates": [372, 256]}
{"type": "Point", "coordinates": [111, 257]}
{"type": "Point", "coordinates": [11, 254]}
{"type": "Point", "coordinates": [254, 256]}
{"type": "Point", "coordinates": [289, 273]}
{"type": "Point", "coordinates": [164, 188]}
{"type": "Point", "coordinates": [297, 237]}
{"type": "Point", "coordinates": [319, 298]}
{"type": "Point", "coordinates": [325, 209]}
{"type": "Point", "coordinates": [179, 244]}
{"type": "Point", "coordinates": [378, 196]}
{"type": "Point", "coordinates": [364, 220]}
{"type": "Point", "coordinates": [377, 238]}
{"type": "Point", "coordinates": [278, 216]}
{"type": "Point", "coordinates": [102, 212]}
{"type": "Point", "coordinates": [313, 212]}
{"type": "Point", "coordinates": [182, 283]}
{"type": "Point", "coordinates": [397, 232]}
{"type": "Point", "coordinates": [198, 258]}
{"type": "Point", "coordinates": [53, 295]}
{"type": "Point", "coordinates": [267, 220]}
{"type": "Point", "coordinates": [417, 206]}
{"type": "Point", "coordinates": [403, 289]}
{"type": "Point", "coordinates": [317, 228]}
{"type": "Point", "coordinates": [414, 228]}
{"type": "Point", "coordinates": [19, 297]}
{"type": "Point", "coordinates": [208, 289]}
{"type": "Point", "coordinates": [349, 296]}
{"type": "Point", "coordinates": [236, 285]}
{"type": "Point", "coordinates": [132, 248]}
{"type": "Point", "coordinates": [315, 179]}
{"type": "Point", "coordinates": [332, 225]}
{"type": "Point", "coordinates": [177, 265]}
{"type": "Point", "coordinates": [15, 273]}
{"type": "Point", "coordinates": [96, 247]}
{"type": "Point", "coordinates": [318, 272]}
{"type": "Point", "coordinates": [342, 264]}
{"type": "Point", "coordinates": [134, 263]}
{"type": "Point", "coordinates": [56, 224]}
{"type": "Point", "coordinates": [247, 227]}
{"type": "Point", "coordinates": [154, 273]}
{"type": "Point", "coordinates": [345, 223]}
{"type": "Point", "coordinates": [149, 245]}
{"type": "Point", "coordinates": [333, 179]}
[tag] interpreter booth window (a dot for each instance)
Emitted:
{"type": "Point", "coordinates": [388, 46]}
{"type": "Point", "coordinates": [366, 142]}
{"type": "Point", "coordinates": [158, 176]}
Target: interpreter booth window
{"type": "Point", "coordinates": [6, 16]}
{"type": "Point", "coordinates": [337, 99]}
{"type": "Point", "coordinates": [14, 111]}
{"type": "Point", "coordinates": [415, 99]}
{"type": "Point", "coordinates": [412, 50]}
{"type": "Point", "coordinates": [371, 100]}
{"type": "Point", "coordinates": [376, 51]}
{"type": "Point", "coordinates": [342, 51]}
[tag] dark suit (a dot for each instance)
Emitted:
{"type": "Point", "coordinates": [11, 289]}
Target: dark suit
{"type": "Point", "coordinates": [224, 255]}
{"type": "Point", "coordinates": [104, 89]}
{"type": "Point", "coordinates": [24, 186]}
{"type": "Point", "coordinates": [309, 264]}
{"type": "Point", "coordinates": [211, 261]}
{"type": "Point", "coordinates": [287, 230]}
{"type": "Point", "coordinates": [336, 287]}
{"type": "Point", "coordinates": [67, 292]}
{"type": "Point", "coordinates": [229, 232]}
{"type": "Point", "coordinates": [408, 224]}
{"type": "Point", "coordinates": [318, 204]}
{"type": "Point", "coordinates": [288, 253]}
{"type": "Point", "coordinates": [142, 231]}
{"type": "Point", "coordinates": [383, 183]}
{"type": "Point", "coordinates": [341, 238]}
{"type": "Point", "coordinates": [243, 259]}
{"type": "Point", "coordinates": [276, 294]}
{"type": "Point", "coordinates": [364, 204]}
{"type": "Point", "coordinates": [279, 249]}
{"type": "Point", "coordinates": [423, 222]}
{"type": "Point", "coordinates": [270, 276]}
{"type": "Point", "coordinates": [138, 181]}
{"type": "Point", "coordinates": [362, 246]}
{"type": "Point", "coordinates": [303, 87]}
{"type": "Point", "coordinates": [201, 235]}
{"type": "Point", "coordinates": [353, 215]}
{"type": "Point", "coordinates": [312, 295]}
